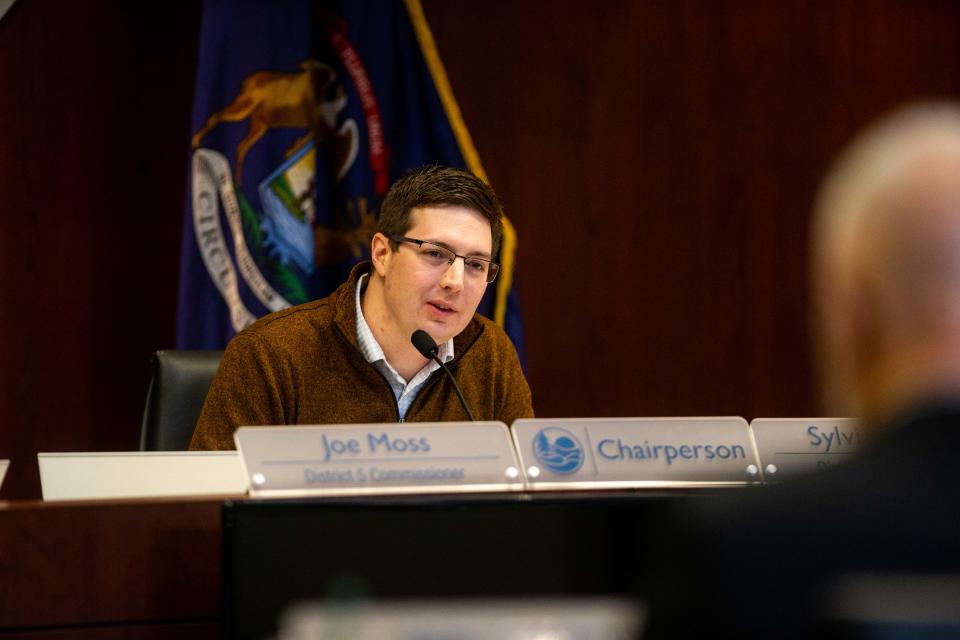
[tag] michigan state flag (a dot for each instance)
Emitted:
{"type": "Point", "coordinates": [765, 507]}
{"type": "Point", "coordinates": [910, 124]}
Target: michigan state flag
{"type": "Point", "coordinates": [305, 113]}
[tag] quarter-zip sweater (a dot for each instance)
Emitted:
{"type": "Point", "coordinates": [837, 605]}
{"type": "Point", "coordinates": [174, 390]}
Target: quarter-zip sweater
{"type": "Point", "coordinates": [303, 365]}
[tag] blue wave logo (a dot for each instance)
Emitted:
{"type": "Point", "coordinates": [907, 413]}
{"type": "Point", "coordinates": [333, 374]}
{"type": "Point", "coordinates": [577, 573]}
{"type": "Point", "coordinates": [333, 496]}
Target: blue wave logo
{"type": "Point", "coordinates": [558, 450]}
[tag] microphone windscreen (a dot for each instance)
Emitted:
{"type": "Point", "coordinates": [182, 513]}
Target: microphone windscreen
{"type": "Point", "coordinates": [424, 343]}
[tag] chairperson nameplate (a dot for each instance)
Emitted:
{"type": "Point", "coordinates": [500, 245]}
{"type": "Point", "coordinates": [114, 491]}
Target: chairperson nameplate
{"type": "Point", "coordinates": [636, 452]}
{"type": "Point", "coordinates": [368, 459]}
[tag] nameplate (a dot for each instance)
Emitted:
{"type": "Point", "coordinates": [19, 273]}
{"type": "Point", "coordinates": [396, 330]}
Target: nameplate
{"type": "Point", "coordinates": [4, 465]}
{"type": "Point", "coordinates": [139, 474]}
{"type": "Point", "coordinates": [636, 452]}
{"type": "Point", "coordinates": [378, 459]}
{"type": "Point", "coordinates": [790, 447]}
{"type": "Point", "coordinates": [595, 617]}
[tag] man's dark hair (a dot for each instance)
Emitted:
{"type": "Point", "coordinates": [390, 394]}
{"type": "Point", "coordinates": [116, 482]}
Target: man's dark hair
{"type": "Point", "coordinates": [437, 186]}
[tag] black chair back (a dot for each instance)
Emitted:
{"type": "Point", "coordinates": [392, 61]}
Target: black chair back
{"type": "Point", "coordinates": [177, 391]}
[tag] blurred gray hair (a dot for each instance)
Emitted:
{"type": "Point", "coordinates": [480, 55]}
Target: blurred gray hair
{"type": "Point", "coordinates": [880, 157]}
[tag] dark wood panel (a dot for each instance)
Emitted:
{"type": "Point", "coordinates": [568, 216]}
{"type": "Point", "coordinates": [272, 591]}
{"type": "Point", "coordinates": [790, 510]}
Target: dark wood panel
{"type": "Point", "coordinates": [156, 631]}
{"type": "Point", "coordinates": [109, 563]}
{"type": "Point", "coordinates": [94, 131]}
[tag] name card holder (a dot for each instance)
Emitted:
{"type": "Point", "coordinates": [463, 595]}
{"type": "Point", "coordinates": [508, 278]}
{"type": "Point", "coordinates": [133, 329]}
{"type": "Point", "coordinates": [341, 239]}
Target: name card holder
{"type": "Point", "coordinates": [596, 617]}
{"type": "Point", "coordinates": [371, 459]}
{"type": "Point", "coordinates": [607, 453]}
{"type": "Point", "coordinates": [139, 474]}
{"type": "Point", "coordinates": [789, 447]}
{"type": "Point", "coordinates": [4, 465]}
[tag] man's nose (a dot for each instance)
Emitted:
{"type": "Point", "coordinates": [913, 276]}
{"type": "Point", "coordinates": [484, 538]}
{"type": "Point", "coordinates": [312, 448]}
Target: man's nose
{"type": "Point", "coordinates": [453, 275]}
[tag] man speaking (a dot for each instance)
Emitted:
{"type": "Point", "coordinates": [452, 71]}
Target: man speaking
{"type": "Point", "coordinates": [349, 357]}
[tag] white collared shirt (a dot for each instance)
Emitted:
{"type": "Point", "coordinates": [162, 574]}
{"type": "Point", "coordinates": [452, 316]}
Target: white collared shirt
{"type": "Point", "coordinates": [404, 392]}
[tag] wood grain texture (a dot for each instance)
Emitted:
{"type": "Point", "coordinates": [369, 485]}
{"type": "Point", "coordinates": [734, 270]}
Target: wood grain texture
{"type": "Point", "coordinates": [109, 563]}
{"type": "Point", "coordinates": [94, 131]}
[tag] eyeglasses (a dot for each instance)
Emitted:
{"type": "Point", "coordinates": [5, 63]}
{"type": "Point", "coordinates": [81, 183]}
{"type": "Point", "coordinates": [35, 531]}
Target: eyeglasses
{"type": "Point", "coordinates": [437, 255]}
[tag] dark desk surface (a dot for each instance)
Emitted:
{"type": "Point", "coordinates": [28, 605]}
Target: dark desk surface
{"type": "Point", "coordinates": [131, 564]}
{"type": "Point", "coordinates": [151, 568]}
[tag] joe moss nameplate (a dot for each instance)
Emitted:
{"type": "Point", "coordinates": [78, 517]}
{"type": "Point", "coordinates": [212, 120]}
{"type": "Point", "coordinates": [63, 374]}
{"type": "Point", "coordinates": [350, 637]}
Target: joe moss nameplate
{"type": "Point", "coordinates": [636, 452]}
{"type": "Point", "coordinates": [379, 458]}
{"type": "Point", "coordinates": [794, 446]}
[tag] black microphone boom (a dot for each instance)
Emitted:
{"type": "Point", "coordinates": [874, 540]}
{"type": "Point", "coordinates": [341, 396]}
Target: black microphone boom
{"type": "Point", "coordinates": [428, 349]}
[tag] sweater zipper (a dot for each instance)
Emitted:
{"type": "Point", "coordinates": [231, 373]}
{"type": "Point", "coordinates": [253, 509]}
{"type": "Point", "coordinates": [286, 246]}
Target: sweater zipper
{"type": "Point", "coordinates": [423, 390]}
{"type": "Point", "coordinates": [396, 405]}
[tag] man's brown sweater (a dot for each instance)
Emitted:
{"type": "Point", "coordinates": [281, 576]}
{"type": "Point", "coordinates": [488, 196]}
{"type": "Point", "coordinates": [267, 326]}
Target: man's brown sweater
{"type": "Point", "coordinates": [303, 365]}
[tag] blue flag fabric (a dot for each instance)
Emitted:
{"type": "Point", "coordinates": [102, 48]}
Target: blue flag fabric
{"type": "Point", "coordinates": [305, 112]}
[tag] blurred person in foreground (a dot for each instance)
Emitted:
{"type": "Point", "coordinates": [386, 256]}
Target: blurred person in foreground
{"type": "Point", "coordinates": [886, 290]}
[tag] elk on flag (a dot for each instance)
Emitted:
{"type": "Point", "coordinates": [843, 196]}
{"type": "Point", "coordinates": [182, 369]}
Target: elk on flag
{"type": "Point", "coordinates": [304, 113]}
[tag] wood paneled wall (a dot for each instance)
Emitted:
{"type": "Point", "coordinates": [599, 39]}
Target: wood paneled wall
{"type": "Point", "coordinates": [658, 160]}
{"type": "Point", "coordinates": [95, 100]}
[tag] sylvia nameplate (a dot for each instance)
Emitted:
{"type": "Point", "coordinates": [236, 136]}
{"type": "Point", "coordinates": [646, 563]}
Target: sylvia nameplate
{"type": "Point", "coordinates": [795, 446]}
{"type": "Point", "coordinates": [636, 452]}
{"type": "Point", "coordinates": [378, 458]}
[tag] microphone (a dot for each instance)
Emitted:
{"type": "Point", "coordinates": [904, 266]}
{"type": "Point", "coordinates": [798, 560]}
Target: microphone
{"type": "Point", "coordinates": [428, 349]}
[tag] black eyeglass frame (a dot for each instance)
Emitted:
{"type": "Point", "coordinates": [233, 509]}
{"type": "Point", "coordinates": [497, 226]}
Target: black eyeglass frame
{"type": "Point", "coordinates": [493, 268]}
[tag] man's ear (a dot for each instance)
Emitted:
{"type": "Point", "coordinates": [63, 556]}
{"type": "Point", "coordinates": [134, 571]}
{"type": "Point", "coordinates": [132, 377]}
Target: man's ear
{"type": "Point", "coordinates": [380, 253]}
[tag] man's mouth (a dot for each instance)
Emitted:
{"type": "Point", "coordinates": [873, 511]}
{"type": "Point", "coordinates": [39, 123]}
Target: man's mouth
{"type": "Point", "coordinates": [442, 307]}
